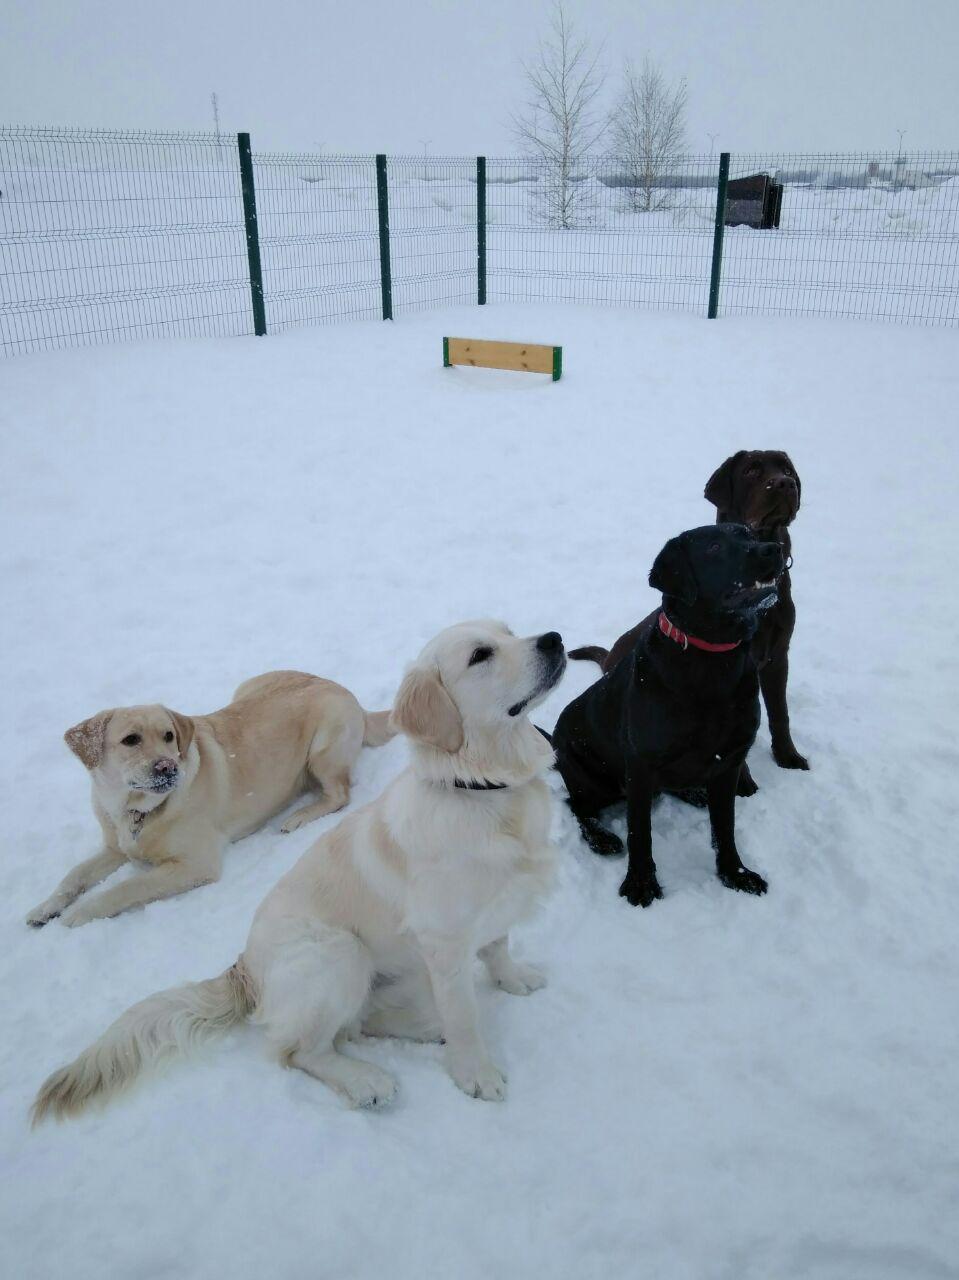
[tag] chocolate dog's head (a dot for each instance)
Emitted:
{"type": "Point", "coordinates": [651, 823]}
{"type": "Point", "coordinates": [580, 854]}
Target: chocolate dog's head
{"type": "Point", "coordinates": [758, 487]}
{"type": "Point", "coordinates": [717, 580]}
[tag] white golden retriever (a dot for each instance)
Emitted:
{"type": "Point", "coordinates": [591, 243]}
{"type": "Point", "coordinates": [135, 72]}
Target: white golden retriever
{"type": "Point", "coordinates": [377, 926]}
{"type": "Point", "coordinates": [171, 791]}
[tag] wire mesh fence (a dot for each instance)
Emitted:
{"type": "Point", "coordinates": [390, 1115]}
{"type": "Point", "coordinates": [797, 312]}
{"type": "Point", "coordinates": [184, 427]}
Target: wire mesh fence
{"type": "Point", "coordinates": [106, 235]}
{"type": "Point", "coordinates": [869, 236]}
{"type": "Point", "coordinates": [432, 230]}
{"type": "Point", "coordinates": [109, 235]}
{"type": "Point", "coordinates": [601, 233]}
{"type": "Point", "coordinates": [318, 238]}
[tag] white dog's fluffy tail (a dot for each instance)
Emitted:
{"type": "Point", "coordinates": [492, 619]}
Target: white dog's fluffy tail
{"type": "Point", "coordinates": [163, 1026]}
{"type": "Point", "coordinates": [378, 729]}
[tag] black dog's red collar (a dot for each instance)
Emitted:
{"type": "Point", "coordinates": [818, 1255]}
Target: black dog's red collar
{"type": "Point", "coordinates": [674, 633]}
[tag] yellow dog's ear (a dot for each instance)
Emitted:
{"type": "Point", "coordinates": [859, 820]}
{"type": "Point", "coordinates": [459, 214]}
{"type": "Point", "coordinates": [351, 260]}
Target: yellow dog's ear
{"type": "Point", "coordinates": [185, 731]}
{"type": "Point", "coordinates": [86, 739]}
{"type": "Point", "coordinates": [425, 712]}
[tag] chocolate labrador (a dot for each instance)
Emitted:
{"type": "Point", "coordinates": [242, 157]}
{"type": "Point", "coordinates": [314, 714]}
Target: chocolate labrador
{"type": "Point", "coordinates": [759, 488]}
{"type": "Point", "coordinates": [681, 708]}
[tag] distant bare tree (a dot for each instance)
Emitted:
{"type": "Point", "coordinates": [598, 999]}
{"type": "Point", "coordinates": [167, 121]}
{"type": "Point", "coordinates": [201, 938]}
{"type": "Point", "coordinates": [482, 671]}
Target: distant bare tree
{"type": "Point", "coordinates": [647, 129]}
{"type": "Point", "coordinates": [561, 123]}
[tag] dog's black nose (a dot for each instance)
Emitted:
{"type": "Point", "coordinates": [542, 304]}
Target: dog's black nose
{"type": "Point", "coordinates": [782, 482]}
{"type": "Point", "coordinates": [771, 558]}
{"type": "Point", "coordinates": [550, 642]}
{"type": "Point", "coordinates": [164, 766]}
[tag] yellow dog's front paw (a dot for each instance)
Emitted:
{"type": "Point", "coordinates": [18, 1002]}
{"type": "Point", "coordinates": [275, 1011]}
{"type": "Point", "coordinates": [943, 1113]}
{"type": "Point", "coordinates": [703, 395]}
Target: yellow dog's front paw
{"type": "Point", "coordinates": [75, 916]}
{"type": "Point", "coordinates": [42, 915]}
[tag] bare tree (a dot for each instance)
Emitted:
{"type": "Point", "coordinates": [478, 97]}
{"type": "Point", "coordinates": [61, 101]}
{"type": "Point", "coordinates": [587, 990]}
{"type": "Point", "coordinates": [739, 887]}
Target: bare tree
{"type": "Point", "coordinates": [647, 129]}
{"type": "Point", "coordinates": [561, 124]}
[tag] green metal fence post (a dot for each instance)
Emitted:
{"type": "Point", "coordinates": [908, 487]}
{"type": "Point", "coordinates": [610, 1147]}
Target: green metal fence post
{"type": "Point", "coordinates": [481, 230]}
{"type": "Point", "coordinates": [252, 234]}
{"type": "Point", "coordinates": [383, 208]}
{"type": "Point", "coordinates": [718, 236]}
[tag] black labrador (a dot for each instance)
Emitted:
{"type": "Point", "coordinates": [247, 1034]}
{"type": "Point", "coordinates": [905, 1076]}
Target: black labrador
{"type": "Point", "coordinates": [680, 709]}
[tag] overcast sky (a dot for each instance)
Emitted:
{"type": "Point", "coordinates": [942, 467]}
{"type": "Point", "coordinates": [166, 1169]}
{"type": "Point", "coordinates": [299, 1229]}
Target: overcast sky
{"type": "Point", "coordinates": [367, 75]}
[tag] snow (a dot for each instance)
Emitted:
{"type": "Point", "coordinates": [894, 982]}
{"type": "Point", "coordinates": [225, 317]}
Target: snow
{"type": "Point", "coordinates": [718, 1086]}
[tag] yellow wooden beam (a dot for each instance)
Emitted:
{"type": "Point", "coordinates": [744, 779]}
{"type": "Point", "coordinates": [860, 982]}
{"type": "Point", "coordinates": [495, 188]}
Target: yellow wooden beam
{"type": "Point", "coordinates": [527, 357]}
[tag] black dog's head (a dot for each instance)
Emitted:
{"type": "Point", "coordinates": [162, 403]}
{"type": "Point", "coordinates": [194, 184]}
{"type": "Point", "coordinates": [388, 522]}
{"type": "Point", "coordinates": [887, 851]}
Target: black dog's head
{"type": "Point", "coordinates": [717, 580]}
{"type": "Point", "coordinates": [758, 487]}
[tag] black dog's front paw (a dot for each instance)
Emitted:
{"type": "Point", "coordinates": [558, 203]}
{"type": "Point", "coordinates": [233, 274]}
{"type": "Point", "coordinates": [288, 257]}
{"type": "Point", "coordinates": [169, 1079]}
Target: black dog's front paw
{"type": "Point", "coordinates": [787, 757]}
{"type": "Point", "coordinates": [744, 880]}
{"type": "Point", "coordinates": [606, 843]}
{"type": "Point", "coordinates": [746, 786]}
{"type": "Point", "coordinates": [640, 893]}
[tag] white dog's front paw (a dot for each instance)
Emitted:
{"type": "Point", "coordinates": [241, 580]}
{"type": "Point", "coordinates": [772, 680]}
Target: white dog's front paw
{"type": "Point", "coordinates": [43, 914]}
{"type": "Point", "coordinates": [521, 980]}
{"type": "Point", "coordinates": [480, 1080]}
{"type": "Point", "coordinates": [368, 1086]}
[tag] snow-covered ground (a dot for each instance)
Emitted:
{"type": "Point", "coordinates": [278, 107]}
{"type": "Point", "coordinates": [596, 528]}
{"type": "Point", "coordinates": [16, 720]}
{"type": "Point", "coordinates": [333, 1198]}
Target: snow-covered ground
{"type": "Point", "coordinates": [718, 1087]}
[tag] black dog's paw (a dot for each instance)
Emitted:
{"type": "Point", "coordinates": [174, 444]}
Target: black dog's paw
{"type": "Point", "coordinates": [746, 786]}
{"type": "Point", "coordinates": [640, 893]}
{"type": "Point", "coordinates": [606, 843]}
{"type": "Point", "coordinates": [696, 796]}
{"type": "Point", "coordinates": [744, 880]}
{"type": "Point", "coordinates": [789, 758]}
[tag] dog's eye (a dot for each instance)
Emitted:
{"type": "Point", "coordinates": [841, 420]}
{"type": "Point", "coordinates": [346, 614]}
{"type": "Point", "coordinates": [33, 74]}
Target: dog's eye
{"type": "Point", "coordinates": [753, 469]}
{"type": "Point", "coordinates": [713, 549]}
{"type": "Point", "coordinates": [131, 740]}
{"type": "Point", "coordinates": [482, 654]}
{"type": "Point", "coordinates": [168, 736]}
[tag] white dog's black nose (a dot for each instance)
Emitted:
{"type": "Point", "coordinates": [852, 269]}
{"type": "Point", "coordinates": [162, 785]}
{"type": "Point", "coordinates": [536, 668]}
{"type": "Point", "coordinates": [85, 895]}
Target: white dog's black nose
{"type": "Point", "coordinates": [550, 642]}
{"type": "Point", "coordinates": [164, 767]}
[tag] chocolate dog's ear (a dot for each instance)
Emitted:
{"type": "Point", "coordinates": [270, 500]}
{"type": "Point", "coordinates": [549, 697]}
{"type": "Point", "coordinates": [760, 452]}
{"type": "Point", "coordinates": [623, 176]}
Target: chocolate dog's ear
{"type": "Point", "coordinates": [425, 711]}
{"type": "Point", "coordinates": [87, 738]}
{"type": "Point", "coordinates": [719, 486]}
{"type": "Point", "coordinates": [672, 573]}
{"type": "Point", "coordinates": [185, 730]}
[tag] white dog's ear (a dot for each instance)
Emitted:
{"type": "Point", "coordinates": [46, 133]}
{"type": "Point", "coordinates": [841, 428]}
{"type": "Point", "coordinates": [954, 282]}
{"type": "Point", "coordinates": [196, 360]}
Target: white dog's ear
{"type": "Point", "coordinates": [86, 739]}
{"type": "Point", "coordinates": [425, 711]}
{"type": "Point", "coordinates": [185, 731]}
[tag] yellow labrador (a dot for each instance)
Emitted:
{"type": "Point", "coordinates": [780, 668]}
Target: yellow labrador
{"type": "Point", "coordinates": [171, 791]}
{"type": "Point", "coordinates": [377, 925]}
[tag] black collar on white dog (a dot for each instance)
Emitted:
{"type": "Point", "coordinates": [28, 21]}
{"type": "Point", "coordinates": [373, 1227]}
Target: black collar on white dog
{"type": "Point", "coordinates": [479, 786]}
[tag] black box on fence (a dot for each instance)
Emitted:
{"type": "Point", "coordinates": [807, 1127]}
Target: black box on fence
{"type": "Point", "coordinates": [755, 201]}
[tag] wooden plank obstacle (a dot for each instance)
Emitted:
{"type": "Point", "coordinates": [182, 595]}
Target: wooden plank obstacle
{"type": "Point", "coordinates": [527, 357]}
